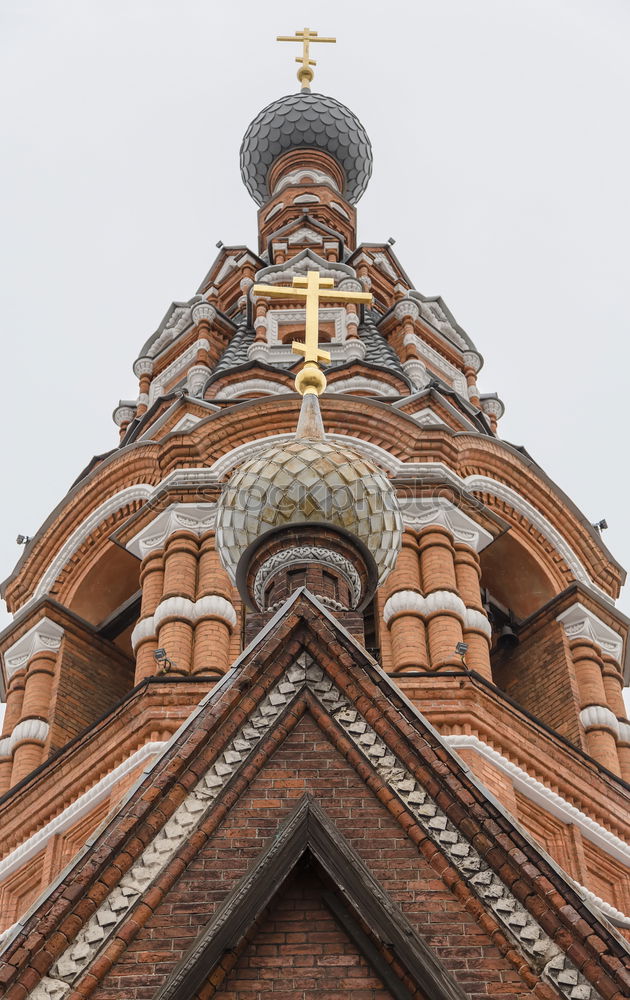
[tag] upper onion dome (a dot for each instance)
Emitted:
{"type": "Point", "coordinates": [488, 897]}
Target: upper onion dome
{"type": "Point", "coordinates": [310, 121]}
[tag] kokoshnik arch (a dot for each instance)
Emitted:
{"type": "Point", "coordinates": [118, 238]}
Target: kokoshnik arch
{"type": "Point", "coordinates": [313, 692]}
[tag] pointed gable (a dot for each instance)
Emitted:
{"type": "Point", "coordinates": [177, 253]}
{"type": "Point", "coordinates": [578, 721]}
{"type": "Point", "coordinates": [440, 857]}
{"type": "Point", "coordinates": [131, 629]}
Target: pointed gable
{"type": "Point", "coordinates": [306, 712]}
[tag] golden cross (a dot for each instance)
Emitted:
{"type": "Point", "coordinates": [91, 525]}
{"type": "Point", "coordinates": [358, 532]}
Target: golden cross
{"type": "Point", "coordinates": [305, 73]}
{"type": "Point", "coordinates": [313, 289]}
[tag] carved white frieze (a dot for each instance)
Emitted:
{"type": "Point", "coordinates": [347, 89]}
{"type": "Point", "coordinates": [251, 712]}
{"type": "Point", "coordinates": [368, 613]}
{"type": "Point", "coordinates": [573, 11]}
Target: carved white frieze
{"type": "Point", "coordinates": [580, 623]}
{"type": "Point", "coordinates": [196, 517]}
{"type": "Point", "coordinates": [473, 360]}
{"type": "Point", "coordinates": [305, 174]}
{"type": "Point", "coordinates": [411, 602]}
{"type": "Point", "coordinates": [196, 379]}
{"type": "Point", "coordinates": [423, 512]}
{"type": "Point", "coordinates": [451, 374]}
{"type": "Point", "coordinates": [45, 636]}
{"type": "Point", "coordinates": [310, 554]}
{"type": "Point", "coordinates": [493, 407]}
{"type": "Point", "coordinates": [416, 372]}
{"type": "Point", "coordinates": [305, 235]}
{"type": "Point", "coordinates": [29, 731]}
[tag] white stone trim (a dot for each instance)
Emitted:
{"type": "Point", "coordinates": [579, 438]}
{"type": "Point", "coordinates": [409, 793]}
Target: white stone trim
{"type": "Point", "coordinates": [84, 804]}
{"type": "Point", "coordinates": [5, 746]}
{"type": "Point", "coordinates": [536, 792]}
{"type": "Point", "coordinates": [298, 176]}
{"type": "Point", "coordinates": [427, 417]}
{"type": "Point", "coordinates": [411, 602]}
{"type": "Point", "coordinates": [580, 623]}
{"type": "Point", "coordinates": [210, 606]}
{"type": "Point", "coordinates": [29, 731]}
{"type": "Point", "coordinates": [176, 367]}
{"type": "Point", "coordinates": [436, 361]}
{"type": "Point", "coordinates": [360, 383]}
{"type": "Point", "coordinates": [283, 317]}
{"type": "Point", "coordinates": [45, 635]}
{"type": "Point", "coordinates": [416, 371]}
{"type": "Point", "coordinates": [619, 919]}
{"type": "Point", "coordinates": [237, 389]}
{"type": "Point", "coordinates": [203, 311]}
{"type": "Point", "coordinates": [624, 731]}
{"type": "Point", "coordinates": [305, 235]}
{"type": "Point", "coordinates": [196, 517]}
{"type": "Point", "coordinates": [196, 378]}
{"type": "Point", "coordinates": [423, 512]}
{"type": "Point", "coordinates": [186, 423]}
{"type": "Point", "coordinates": [599, 717]}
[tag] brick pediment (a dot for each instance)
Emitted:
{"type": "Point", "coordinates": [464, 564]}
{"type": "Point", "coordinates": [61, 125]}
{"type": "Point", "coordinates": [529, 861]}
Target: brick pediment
{"type": "Point", "coordinates": [305, 670]}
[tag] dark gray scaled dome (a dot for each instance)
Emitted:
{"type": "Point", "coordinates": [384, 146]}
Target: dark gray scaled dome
{"type": "Point", "coordinates": [309, 121]}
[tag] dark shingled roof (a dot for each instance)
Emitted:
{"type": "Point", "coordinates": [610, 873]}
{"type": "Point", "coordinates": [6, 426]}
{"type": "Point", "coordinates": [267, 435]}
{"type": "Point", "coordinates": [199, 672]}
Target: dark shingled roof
{"type": "Point", "coordinates": [378, 353]}
{"type": "Point", "coordinates": [311, 121]}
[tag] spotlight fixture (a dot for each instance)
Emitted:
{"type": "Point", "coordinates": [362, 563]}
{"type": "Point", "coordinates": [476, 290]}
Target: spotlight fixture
{"type": "Point", "coordinates": [163, 661]}
{"type": "Point", "coordinates": [391, 241]}
{"type": "Point", "coordinates": [219, 244]}
{"type": "Point", "coordinates": [23, 539]}
{"type": "Point", "coordinates": [601, 525]}
{"type": "Point", "coordinates": [461, 649]}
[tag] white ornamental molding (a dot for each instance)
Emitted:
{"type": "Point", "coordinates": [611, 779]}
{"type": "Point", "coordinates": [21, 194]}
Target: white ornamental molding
{"type": "Point", "coordinates": [493, 407]}
{"type": "Point", "coordinates": [29, 731]}
{"type": "Point", "coordinates": [5, 746]}
{"type": "Point", "coordinates": [350, 285]}
{"type": "Point", "coordinates": [124, 412]}
{"type": "Point", "coordinates": [440, 601]}
{"type": "Point", "coordinates": [452, 375]}
{"type": "Point", "coordinates": [416, 372]}
{"type": "Point", "coordinates": [306, 199]}
{"type": "Point", "coordinates": [383, 264]}
{"type": "Point", "coordinates": [406, 308]}
{"type": "Point", "coordinates": [624, 731]}
{"type": "Point", "coordinates": [473, 360]}
{"type": "Point", "coordinates": [274, 211]}
{"type": "Point", "coordinates": [305, 235]}
{"type": "Point", "coordinates": [424, 512]}
{"type": "Point", "coordinates": [277, 318]}
{"type": "Point", "coordinates": [355, 349]}
{"type": "Point", "coordinates": [310, 554]}
{"type": "Point", "coordinates": [176, 367]}
{"type": "Point", "coordinates": [599, 717]}
{"type": "Point", "coordinates": [580, 623]}
{"type": "Point", "coordinates": [185, 424]}
{"type": "Point", "coordinates": [261, 321]}
{"type": "Point", "coordinates": [515, 920]}
{"type": "Point", "coordinates": [196, 517]}
{"type": "Point", "coordinates": [45, 636]}
{"type": "Point", "coordinates": [298, 176]}
{"type": "Point", "coordinates": [143, 399]}
{"type": "Point", "coordinates": [196, 379]}
{"type": "Point", "coordinates": [143, 366]}
{"type": "Point", "coordinates": [203, 311]}
{"type": "Point", "coordinates": [180, 608]}
{"type": "Point", "coordinates": [427, 417]}
{"type": "Point", "coordinates": [339, 209]}
{"type": "Point", "coordinates": [252, 385]}
{"type": "Point", "coordinates": [360, 383]}
{"type": "Point", "coordinates": [178, 321]}
{"type": "Point", "coordinates": [352, 319]}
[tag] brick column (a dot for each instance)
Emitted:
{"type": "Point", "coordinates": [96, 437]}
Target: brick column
{"type": "Point", "coordinates": [613, 686]}
{"type": "Point", "coordinates": [600, 725]}
{"type": "Point", "coordinates": [403, 610]}
{"type": "Point", "coordinates": [143, 638]}
{"type": "Point", "coordinates": [477, 628]}
{"type": "Point", "coordinates": [445, 609]}
{"type": "Point", "coordinates": [215, 617]}
{"type": "Point", "coordinates": [174, 615]}
{"type": "Point", "coordinates": [29, 753]}
{"type": "Point", "coordinates": [143, 369]}
{"type": "Point", "coordinates": [12, 715]}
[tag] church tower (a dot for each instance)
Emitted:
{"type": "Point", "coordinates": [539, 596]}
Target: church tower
{"type": "Point", "coordinates": [314, 682]}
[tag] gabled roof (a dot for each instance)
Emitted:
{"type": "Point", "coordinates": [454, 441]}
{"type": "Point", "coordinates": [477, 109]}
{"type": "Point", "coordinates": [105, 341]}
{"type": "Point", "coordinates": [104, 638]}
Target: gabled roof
{"type": "Point", "coordinates": [303, 661]}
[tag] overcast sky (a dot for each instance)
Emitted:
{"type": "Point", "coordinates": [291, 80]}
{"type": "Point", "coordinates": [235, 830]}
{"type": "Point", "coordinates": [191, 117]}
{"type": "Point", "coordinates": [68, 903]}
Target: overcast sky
{"type": "Point", "coordinates": [501, 168]}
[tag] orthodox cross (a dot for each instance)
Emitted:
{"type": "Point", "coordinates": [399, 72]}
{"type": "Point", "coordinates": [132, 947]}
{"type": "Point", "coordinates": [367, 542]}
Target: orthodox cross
{"type": "Point", "coordinates": [306, 36]}
{"type": "Point", "coordinates": [313, 289]}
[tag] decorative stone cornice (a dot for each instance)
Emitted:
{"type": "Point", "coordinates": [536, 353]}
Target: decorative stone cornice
{"type": "Point", "coordinates": [196, 379]}
{"type": "Point", "coordinates": [235, 390]}
{"type": "Point", "coordinates": [473, 360]}
{"type": "Point", "coordinates": [424, 512]}
{"type": "Point", "coordinates": [45, 636]}
{"type": "Point", "coordinates": [580, 623]}
{"type": "Point", "coordinates": [196, 517]}
{"type": "Point", "coordinates": [492, 406]}
{"type": "Point", "coordinates": [303, 553]}
{"type": "Point", "coordinates": [599, 717]}
{"type": "Point", "coordinates": [318, 177]}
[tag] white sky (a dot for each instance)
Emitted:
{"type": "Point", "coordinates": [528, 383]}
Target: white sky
{"type": "Point", "coordinates": [501, 167]}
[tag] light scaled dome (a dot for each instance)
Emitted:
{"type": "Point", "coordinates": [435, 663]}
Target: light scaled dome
{"type": "Point", "coordinates": [306, 481]}
{"type": "Point", "coordinates": [310, 121]}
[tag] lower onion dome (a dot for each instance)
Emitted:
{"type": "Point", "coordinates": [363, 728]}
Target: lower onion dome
{"type": "Point", "coordinates": [309, 481]}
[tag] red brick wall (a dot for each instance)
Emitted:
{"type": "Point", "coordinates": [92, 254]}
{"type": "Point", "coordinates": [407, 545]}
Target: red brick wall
{"type": "Point", "coordinates": [92, 676]}
{"type": "Point", "coordinates": [307, 762]}
{"type": "Point", "coordinates": [300, 951]}
{"type": "Point", "coordinates": [538, 674]}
